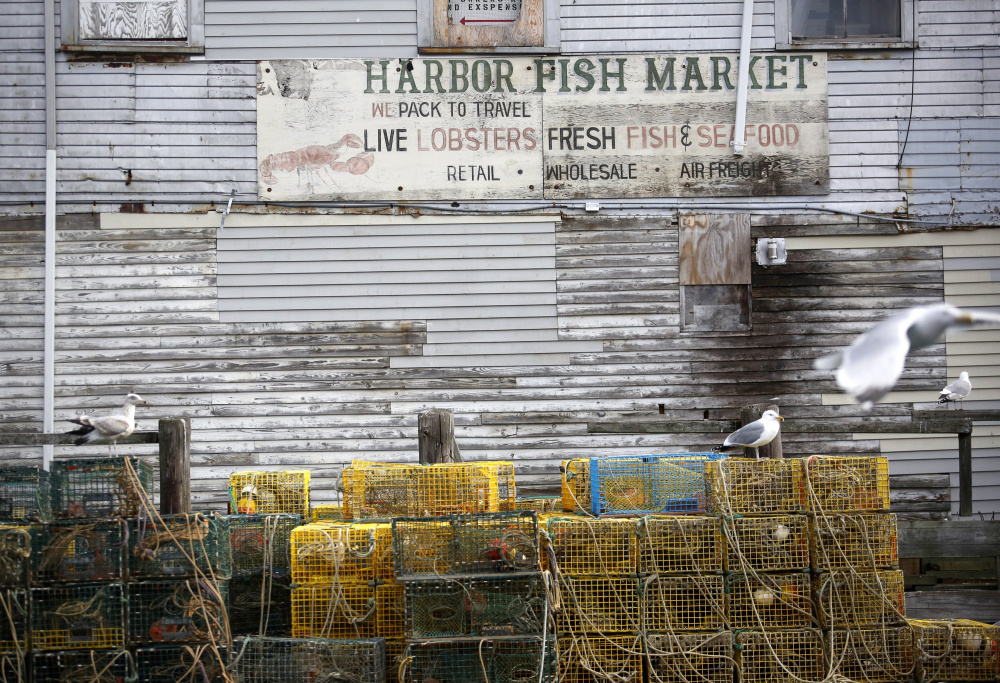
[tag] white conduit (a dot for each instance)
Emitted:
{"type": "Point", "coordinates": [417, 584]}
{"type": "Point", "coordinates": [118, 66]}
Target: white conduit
{"type": "Point", "coordinates": [742, 85]}
{"type": "Point", "coordinates": [48, 365]}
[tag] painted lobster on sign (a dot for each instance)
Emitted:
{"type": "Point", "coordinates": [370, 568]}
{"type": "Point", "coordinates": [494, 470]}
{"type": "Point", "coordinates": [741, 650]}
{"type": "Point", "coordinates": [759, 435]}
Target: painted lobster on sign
{"type": "Point", "coordinates": [316, 158]}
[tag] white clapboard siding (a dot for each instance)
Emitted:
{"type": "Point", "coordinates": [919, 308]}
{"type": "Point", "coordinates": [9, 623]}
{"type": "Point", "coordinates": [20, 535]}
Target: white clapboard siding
{"type": "Point", "coordinates": [22, 99]}
{"type": "Point", "coordinates": [971, 270]}
{"type": "Point", "coordinates": [958, 23]}
{"type": "Point", "coordinates": [497, 276]}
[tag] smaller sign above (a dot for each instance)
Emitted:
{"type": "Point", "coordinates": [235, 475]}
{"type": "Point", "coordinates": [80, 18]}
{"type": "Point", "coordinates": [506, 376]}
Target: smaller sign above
{"type": "Point", "coordinates": [483, 13]}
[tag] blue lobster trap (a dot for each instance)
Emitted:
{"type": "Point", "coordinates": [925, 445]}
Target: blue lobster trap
{"type": "Point", "coordinates": [649, 484]}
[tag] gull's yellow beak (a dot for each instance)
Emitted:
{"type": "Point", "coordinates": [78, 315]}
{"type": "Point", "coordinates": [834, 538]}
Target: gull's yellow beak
{"type": "Point", "coordinates": [778, 417]}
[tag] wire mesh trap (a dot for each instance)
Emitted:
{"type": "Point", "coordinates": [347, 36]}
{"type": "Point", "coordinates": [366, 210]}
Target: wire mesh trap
{"type": "Point", "coordinates": [15, 554]}
{"type": "Point", "coordinates": [690, 657]}
{"type": "Point", "coordinates": [539, 504]}
{"type": "Point", "coordinates": [182, 611]}
{"type": "Point", "coordinates": [327, 512]}
{"type": "Point", "coordinates": [779, 656]}
{"type": "Point", "coordinates": [328, 552]}
{"type": "Point", "coordinates": [769, 601]}
{"type": "Point", "coordinates": [179, 546]}
{"type": "Point", "coordinates": [78, 550]}
{"type": "Point", "coordinates": [513, 660]}
{"type": "Point", "coordinates": [390, 610]}
{"type": "Point", "coordinates": [575, 485]}
{"type": "Point", "coordinates": [648, 484]}
{"type": "Point", "coordinates": [13, 619]}
{"type": "Point", "coordinates": [194, 663]}
{"type": "Point", "coordinates": [260, 603]}
{"type": "Point", "coordinates": [860, 540]}
{"type": "Point", "coordinates": [83, 666]}
{"type": "Point", "coordinates": [25, 494]}
{"type": "Point", "coordinates": [85, 616]}
{"type": "Point", "coordinates": [486, 543]}
{"type": "Point", "coordinates": [584, 546]}
{"type": "Point", "coordinates": [873, 655]}
{"type": "Point", "coordinates": [594, 659]}
{"type": "Point", "coordinates": [677, 544]}
{"type": "Point", "coordinates": [262, 544]}
{"type": "Point", "coordinates": [98, 487]}
{"type": "Point", "coordinates": [848, 599]}
{"type": "Point", "coordinates": [13, 667]}
{"type": "Point", "coordinates": [395, 654]}
{"type": "Point", "coordinates": [488, 606]}
{"type": "Point", "coordinates": [340, 610]}
{"type": "Point", "coordinates": [268, 493]}
{"type": "Point", "coordinates": [682, 603]}
{"type": "Point", "coordinates": [956, 650]}
{"type": "Point", "coordinates": [598, 604]}
{"type": "Point", "coordinates": [845, 484]}
{"type": "Point", "coordinates": [775, 543]}
{"type": "Point", "coordinates": [311, 660]}
{"type": "Point", "coordinates": [738, 486]}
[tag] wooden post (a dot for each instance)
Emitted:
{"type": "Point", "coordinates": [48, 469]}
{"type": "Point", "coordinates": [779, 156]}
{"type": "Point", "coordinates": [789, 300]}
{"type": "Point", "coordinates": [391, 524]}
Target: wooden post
{"type": "Point", "coordinates": [436, 437]}
{"type": "Point", "coordinates": [965, 470]}
{"type": "Point", "coordinates": [175, 465]}
{"type": "Point", "coordinates": [751, 413]}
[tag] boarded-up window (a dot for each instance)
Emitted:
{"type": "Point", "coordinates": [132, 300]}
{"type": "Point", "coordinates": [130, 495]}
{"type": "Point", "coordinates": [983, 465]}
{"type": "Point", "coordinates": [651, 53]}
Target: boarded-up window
{"type": "Point", "coordinates": [714, 265]}
{"type": "Point", "coordinates": [133, 25]}
{"type": "Point", "coordinates": [510, 26]}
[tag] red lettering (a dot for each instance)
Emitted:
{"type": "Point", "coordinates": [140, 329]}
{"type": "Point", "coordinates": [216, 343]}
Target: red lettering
{"type": "Point", "coordinates": [764, 135]}
{"type": "Point", "coordinates": [705, 133]}
{"type": "Point", "coordinates": [791, 134]}
{"type": "Point", "coordinates": [439, 133]}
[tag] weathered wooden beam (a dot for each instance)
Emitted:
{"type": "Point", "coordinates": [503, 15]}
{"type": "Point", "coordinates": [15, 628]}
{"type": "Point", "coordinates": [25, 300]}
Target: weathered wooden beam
{"type": "Point", "coordinates": [651, 426]}
{"type": "Point", "coordinates": [175, 465]}
{"type": "Point", "coordinates": [965, 472]}
{"type": "Point", "coordinates": [957, 538]}
{"type": "Point", "coordinates": [39, 439]}
{"type": "Point", "coordinates": [789, 426]}
{"type": "Point", "coordinates": [976, 604]}
{"type": "Point", "coordinates": [957, 415]}
{"type": "Point", "coordinates": [436, 437]}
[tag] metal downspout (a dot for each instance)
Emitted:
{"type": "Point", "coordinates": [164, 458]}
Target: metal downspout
{"type": "Point", "coordinates": [739, 132]}
{"type": "Point", "coordinates": [48, 379]}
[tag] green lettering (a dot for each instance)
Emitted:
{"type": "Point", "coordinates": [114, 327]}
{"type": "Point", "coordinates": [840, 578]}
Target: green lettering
{"type": "Point", "coordinates": [772, 70]}
{"type": "Point", "coordinates": [801, 59]}
{"type": "Point", "coordinates": [720, 73]}
{"type": "Point", "coordinates": [655, 81]}
{"type": "Point", "coordinates": [754, 85]}
{"type": "Point", "coordinates": [482, 75]}
{"type": "Point", "coordinates": [433, 77]}
{"type": "Point", "coordinates": [503, 75]}
{"type": "Point", "coordinates": [584, 74]}
{"type": "Point", "coordinates": [692, 72]}
{"type": "Point", "coordinates": [540, 72]}
{"type": "Point", "coordinates": [374, 77]}
{"type": "Point", "coordinates": [563, 75]}
{"type": "Point", "coordinates": [459, 76]}
{"type": "Point", "coordinates": [406, 76]}
{"type": "Point", "coordinates": [620, 74]}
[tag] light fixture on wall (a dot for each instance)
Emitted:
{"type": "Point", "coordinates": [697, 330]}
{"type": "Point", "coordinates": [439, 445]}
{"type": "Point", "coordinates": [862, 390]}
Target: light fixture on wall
{"type": "Point", "coordinates": [771, 251]}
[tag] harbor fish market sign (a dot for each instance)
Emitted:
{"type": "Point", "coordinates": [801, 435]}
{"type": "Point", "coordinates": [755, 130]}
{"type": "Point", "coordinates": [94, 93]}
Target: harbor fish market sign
{"type": "Point", "coordinates": [544, 127]}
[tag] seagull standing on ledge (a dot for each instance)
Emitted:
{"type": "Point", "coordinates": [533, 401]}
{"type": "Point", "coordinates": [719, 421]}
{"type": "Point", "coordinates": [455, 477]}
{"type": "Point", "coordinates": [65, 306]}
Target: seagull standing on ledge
{"type": "Point", "coordinates": [109, 428]}
{"type": "Point", "coordinates": [754, 435]}
{"type": "Point", "coordinates": [957, 390]}
{"type": "Point", "coordinates": [869, 367]}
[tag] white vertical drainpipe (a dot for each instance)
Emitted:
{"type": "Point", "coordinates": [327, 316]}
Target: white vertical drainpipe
{"type": "Point", "coordinates": [48, 368]}
{"type": "Point", "coordinates": [743, 84]}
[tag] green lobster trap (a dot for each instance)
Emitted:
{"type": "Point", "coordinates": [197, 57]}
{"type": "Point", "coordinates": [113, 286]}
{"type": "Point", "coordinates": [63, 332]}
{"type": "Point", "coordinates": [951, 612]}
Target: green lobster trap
{"type": "Point", "coordinates": [487, 606]}
{"type": "Point", "coordinates": [679, 544]}
{"type": "Point", "coordinates": [182, 611]}
{"type": "Point", "coordinates": [486, 543]}
{"type": "Point", "coordinates": [90, 550]}
{"type": "Point", "coordinates": [194, 663]}
{"type": "Point", "coordinates": [682, 603]}
{"type": "Point", "coordinates": [779, 656]}
{"type": "Point", "coordinates": [769, 601]}
{"type": "Point", "coordinates": [100, 487]}
{"type": "Point", "coordinates": [13, 667]}
{"type": "Point", "coordinates": [15, 554]}
{"type": "Point", "coordinates": [13, 619]}
{"type": "Point", "coordinates": [262, 544]}
{"type": "Point", "coordinates": [513, 660]}
{"type": "Point", "coordinates": [309, 660]}
{"type": "Point", "coordinates": [77, 666]}
{"type": "Point", "coordinates": [774, 543]}
{"type": "Point", "coordinates": [25, 494]}
{"type": "Point", "coordinates": [956, 650]}
{"type": "Point", "coordinates": [80, 617]}
{"type": "Point", "coordinates": [690, 657]}
{"type": "Point", "coordinates": [261, 604]}
{"type": "Point", "coordinates": [849, 599]}
{"type": "Point", "coordinates": [179, 546]}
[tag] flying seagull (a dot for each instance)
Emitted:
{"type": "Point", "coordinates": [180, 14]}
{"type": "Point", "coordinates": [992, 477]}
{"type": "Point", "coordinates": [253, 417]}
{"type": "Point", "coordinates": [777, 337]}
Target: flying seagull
{"type": "Point", "coordinates": [109, 428]}
{"type": "Point", "coordinates": [957, 390]}
{"type": "Point", "coordinates": [754, 435]}
{"type": "Point", "coordinates": [869, 367]}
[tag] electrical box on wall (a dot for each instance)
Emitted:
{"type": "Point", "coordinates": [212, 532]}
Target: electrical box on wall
{"type": "Point", "coordinates": [771, 251]}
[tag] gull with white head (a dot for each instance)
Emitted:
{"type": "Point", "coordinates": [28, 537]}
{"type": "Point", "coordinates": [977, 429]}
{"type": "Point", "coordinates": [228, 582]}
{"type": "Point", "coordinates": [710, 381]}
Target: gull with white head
{"type": "Point", "coordinates": [108, 428]}
{"type": "Point", "coordinates": [957, 390]}
{"type": "Point", "coordinates": [754, 434]}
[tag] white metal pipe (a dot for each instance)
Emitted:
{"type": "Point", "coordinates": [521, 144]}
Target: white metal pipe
{"type": "Point", "coordinates": [743, 84]}
{"type": "Point", "coordinates": [49, 342]}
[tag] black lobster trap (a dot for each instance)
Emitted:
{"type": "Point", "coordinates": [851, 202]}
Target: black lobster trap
{"type": "Point", "coordinates": [179, 546]}
{"type": "Point", "coordinates": [100, 487]}
{"type": "Point", "coordinates": [78, 550]}
{"type": "Point", "coordinates": [308, 660]}
{"type": "Point", "coordinates": [171, 612]}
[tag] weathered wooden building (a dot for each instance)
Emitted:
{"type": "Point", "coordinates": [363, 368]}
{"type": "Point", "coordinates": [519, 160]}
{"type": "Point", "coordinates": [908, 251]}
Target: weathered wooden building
{"type": "Point", "coordinates": [184, 214]}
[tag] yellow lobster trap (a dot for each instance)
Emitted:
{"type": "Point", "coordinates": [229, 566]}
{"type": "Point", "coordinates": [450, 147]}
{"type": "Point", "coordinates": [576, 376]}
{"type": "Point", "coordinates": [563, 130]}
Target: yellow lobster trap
{"type": "Point", "coordinates": [682, 603]}
{"type": "Point", "coordinates": [591, 658]}
{"type": "Point", "coordinates": [864, 541]}
{"type": "Point", "coordinates": [597, 604]}
{"type": "Point", "coordinates": [848, 599]}
{"type": "Point", "coordinates": [326, 512]}
{"type": "Point", "coordinates": [775, 543]}
{"type": "Point", "coordinates": [690, 657]}
{"type": "Point", "coordinates": [390, 611]}
{"type": "Point", "coordinates": [266, 493]}
{"type": "Point", "coordinates": [326, 552]}
{"type": "Point", "coordinates": [769, 601]}
{"type": "Point", "coordinates": [340, 610]}
{"type": "Point", "coordinates": [779, 656]}
{"type": "Point", "coordinates": [956, 650]}
{"type": "Point", "coordinates": [677, 544]}
{"type": "Point", "coordinates": [846, 484]}
{"type": "Point", "coordinates": [584, 546]}
{"type": "Point", "coordinates": [737, 486]}
{"type": "Point", "coordinates": [575, 485]}
{"type": "Point", "coordinates": [874, 655]}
